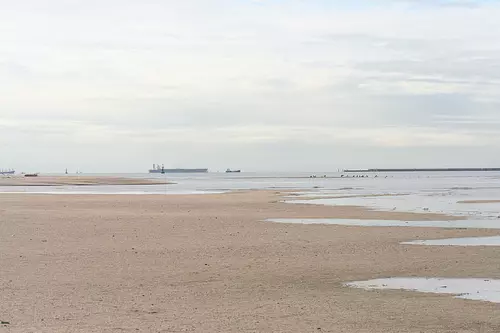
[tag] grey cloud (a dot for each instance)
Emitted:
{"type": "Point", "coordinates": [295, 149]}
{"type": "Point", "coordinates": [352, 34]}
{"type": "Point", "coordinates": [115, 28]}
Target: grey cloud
{"type": "Point", "coordinates": [461, 70]}
{"type": "Point", "coordinates": [15, 70]}
{"type": "Point", "coordinates": [413, 44]}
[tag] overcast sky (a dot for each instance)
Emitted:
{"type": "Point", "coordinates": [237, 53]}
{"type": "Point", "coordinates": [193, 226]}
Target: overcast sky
{"type": "Point", "coordinates": [116, 85]}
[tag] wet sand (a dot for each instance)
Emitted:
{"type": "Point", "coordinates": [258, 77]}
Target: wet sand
{"type": "Point", "coordinates": [76, 181]}
{"type": "Point", "coordinates": [479, 201]}
{"type": "Point", "coordinates": [208, 263]}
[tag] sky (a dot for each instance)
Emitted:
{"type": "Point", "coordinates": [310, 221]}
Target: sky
{"type": "Point", "coordinates": [268, 85]}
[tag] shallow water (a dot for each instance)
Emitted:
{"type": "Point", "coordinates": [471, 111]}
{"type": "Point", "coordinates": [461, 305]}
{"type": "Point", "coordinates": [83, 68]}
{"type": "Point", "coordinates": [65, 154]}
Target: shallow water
{"type": "Point", "coordinates": [465, 185]}
{"type": "Point", "coordinates": [466, 241]}
{"type": "Point", "coordinates": [415, 192]}
{"type": "Point", "coordinates": [446, 202]}
{"type": "Point", "coordinates": [460, 224]}
{"type": "Point", "coordinates": [473, 289]}
{"type": "Point", "coordinates": [189, 184]}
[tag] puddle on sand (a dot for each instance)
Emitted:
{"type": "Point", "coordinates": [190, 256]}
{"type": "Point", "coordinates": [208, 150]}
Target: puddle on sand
{"type": "Point", "coordinates": [473, 289]}
{"type": "Point", "coordinates": [468, 241]}
{"type": "Point", "coordinates": [448, 203]}
{"type": "Point", "coordinates": [459, 224]}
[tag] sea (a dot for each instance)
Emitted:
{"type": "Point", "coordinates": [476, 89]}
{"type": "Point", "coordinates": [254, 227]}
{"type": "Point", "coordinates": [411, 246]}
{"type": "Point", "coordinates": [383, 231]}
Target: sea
{"type": "Point", "coordinates": [457, 193]}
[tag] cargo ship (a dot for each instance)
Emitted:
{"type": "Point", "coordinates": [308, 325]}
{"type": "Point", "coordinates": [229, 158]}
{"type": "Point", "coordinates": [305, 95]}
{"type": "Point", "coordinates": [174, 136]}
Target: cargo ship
{"type": "Point", "coordinates": [232, 171]}
{"type": "Point", "coordinates": [7, 172]}
{"type": "Point", "coordinates": [161, 169]}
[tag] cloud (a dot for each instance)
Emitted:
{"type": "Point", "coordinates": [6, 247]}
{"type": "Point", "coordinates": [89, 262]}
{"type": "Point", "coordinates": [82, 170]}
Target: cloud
{"type": "Point", "coordinates": [296, 75]}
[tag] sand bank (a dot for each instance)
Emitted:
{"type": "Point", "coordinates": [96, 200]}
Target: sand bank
{"type": "Point", "coordinates": [479, 201]}
{"type": "Point", "coordinates": [76, 181]}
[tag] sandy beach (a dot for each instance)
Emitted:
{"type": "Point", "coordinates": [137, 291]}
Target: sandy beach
{"type": "Point", "coordinates": [210, 263]}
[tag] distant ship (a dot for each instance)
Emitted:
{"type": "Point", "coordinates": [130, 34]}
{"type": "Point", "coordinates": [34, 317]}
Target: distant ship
{"type": "Point", "coordinates": [232, 171]}
{"type": "Point", "coordinates": [7, 172]}
{"type": "Point", "coordinates": [30, 175]}
{"type": "Point", "coordinates": [161, 169]}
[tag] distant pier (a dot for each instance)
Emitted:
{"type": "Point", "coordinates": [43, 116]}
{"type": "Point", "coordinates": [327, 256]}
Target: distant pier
{"type": "Point", "coordinates": [423, 170]}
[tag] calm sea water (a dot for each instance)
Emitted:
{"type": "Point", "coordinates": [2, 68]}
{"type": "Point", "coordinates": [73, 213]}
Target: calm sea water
{"type": "Point", "coordinates": [434, 192]}
{"type": "Point", "coordinates": [222, 182]}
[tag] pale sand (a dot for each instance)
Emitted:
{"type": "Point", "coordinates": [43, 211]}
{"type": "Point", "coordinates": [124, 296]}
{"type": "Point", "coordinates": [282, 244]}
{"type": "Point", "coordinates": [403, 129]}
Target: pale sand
{"type": "Point", "coordinates": [76, 181]}
{"type": "Point", "coordinates": [479, 201]}
{"type": "Point", "coordinates": [207, 263]}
